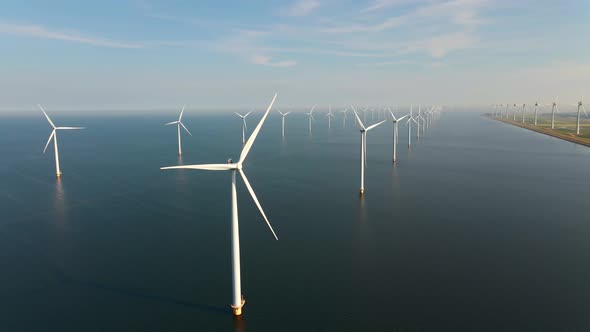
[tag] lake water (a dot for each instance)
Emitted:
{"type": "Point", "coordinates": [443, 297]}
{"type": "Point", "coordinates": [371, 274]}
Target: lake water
{"type": "Point", "coordinates": [482, 226]}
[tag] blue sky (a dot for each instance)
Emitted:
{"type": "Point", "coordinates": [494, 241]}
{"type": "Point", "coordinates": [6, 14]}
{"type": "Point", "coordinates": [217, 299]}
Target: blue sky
{"type": "Point", "coordinates": [148, 54]}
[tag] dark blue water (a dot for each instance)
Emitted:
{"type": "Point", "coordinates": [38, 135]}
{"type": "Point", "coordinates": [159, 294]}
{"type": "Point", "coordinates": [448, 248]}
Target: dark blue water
{"type": "Point", "coordinates": [482, 226]}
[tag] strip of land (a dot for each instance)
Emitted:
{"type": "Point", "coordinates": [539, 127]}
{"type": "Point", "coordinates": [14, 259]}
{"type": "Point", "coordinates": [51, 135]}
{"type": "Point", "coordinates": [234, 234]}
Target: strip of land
{"type": "Point", "coordinates": [547, 131]}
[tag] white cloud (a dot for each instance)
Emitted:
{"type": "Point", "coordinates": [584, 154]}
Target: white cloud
{"type": "Point", "coordinates": [266, 60]}
{"type": "Point", "coordinates": [440, 46]}
{"type": "Point", "coordinates": [302, 8]}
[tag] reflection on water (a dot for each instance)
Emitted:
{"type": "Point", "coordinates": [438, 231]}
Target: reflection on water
{"type": "Point", "coordinates": [59, 204]}
{"type": "Point", "coordinates": [239, 324]}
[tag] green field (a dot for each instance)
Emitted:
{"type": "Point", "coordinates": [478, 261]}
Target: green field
{"type": "Point", "coordinates": [565, 126]}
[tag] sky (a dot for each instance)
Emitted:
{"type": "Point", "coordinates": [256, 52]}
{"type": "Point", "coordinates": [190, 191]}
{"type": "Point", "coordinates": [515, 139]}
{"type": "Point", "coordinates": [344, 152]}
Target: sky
{"type": "Point", "coordinates": [148, 54]}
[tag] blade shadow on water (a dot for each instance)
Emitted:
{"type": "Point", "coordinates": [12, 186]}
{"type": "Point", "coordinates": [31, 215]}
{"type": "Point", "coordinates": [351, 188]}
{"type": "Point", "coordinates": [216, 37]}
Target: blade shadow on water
{"type": "Point", "coordinates": [65, 279]}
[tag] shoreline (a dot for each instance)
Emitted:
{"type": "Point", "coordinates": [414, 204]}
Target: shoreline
{"type": "Point", "coordinates": [541, 130]}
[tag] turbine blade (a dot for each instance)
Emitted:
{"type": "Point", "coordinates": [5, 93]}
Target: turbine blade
{"type": "Point", "coordinates": [170, 123]}
{"type": "Point", "coordinates": [182, 124]}
{"type": "Point", "coordinates": [240, 115]}
{"type": "Point", "coordinates": [252, 138]}
{"type": "Point", "coordinates": [375, 125]}
{"type": "Point", "coordinates": [49, 140]}
{"type": "Point", "coordinates": [207, 167]}
{"type": "Point", "coordinates": [287, 113]}
{"type": "Point", "coordinates": [584, 109]}
{"type": "Point", "coordinates": [181, 112]}
{"type": "Point", "coordinates": [255, 199]}
{"type": "Point", "coordinates": [47, 116]}
{"type": "Point", "coordinates": [403, 117]}
{"type": "Point", "coordinates": [70, 128]}
{"type": "Point", "coordinates": [247, 114]}
{"type": "Point", "coordinates": [358, 120]}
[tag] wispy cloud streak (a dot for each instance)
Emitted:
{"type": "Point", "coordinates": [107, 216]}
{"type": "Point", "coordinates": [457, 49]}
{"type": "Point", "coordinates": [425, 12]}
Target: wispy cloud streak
{"type": "Point", "coordinates": [36, 31]}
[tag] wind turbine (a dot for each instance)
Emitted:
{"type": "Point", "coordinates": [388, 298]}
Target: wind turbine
{"type": "Point", "coordinates": [238, 300]}
{"type": "Point", "coordinates": [514, 113]}
{"type": "Point", "coordinates": [537, 105]}
{"type": "Point", "coordinates": [523, 112]}
{"type": "Point", "coordinates": [344, 117]}
{"type": "Point", "coordinates": [553, 109]}
{"type": "Point", "coordinates": [580, 107]}
{"type": "Point", "coordinates": [409, 124]}
{"type": "Point", "coordinates": [54, 136]}
{"type": "Point", "coordinates": [364, 131]}
{"type": "Point", "coordinates": [310, 116]}
{"type": "Point", "coordinates": [330, 116]}
{"type": "Point", "coordinates": [283, 115]}
{"type": "Point", "coordinates": [179, 123]}
{"type": "Point", "coordinates": [395, 133]}
{"type": "Point", "coordinates": [244, 127]}
{"type": "Point", "coordinates": [423, 123]}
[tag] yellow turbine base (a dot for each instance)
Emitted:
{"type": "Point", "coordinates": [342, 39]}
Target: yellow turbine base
{"type": "Point", "coordinates": [238, 309]}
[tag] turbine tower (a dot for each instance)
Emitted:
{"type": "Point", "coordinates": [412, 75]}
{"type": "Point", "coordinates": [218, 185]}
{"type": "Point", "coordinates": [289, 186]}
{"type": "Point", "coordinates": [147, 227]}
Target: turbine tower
{"type": "Point", "coordinates": [364, 131]}
{"type": "Point", "coordinates": [53, 136]}
{"type": "Point", "coordinates": [179, 124]}
{"type": "Point", "coordinates": [238, 300]}
{"type": "Point", "coordinates": [395, 133]}
{"type": "Point", "coordinates": [523, 112]}
{"type": "Point", "coordinates": [244, 127]}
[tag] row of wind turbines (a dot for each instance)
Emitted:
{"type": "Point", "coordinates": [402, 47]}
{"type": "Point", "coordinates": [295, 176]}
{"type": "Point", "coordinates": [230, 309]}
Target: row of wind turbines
{"type": "Point", "coordinates": [423, 121]}
{"type": "Point", "coordinates": [501, 111]}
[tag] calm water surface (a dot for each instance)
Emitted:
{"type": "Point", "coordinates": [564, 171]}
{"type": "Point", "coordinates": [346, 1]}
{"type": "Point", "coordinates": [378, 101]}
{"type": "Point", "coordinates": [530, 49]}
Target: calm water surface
{"type": "Point", "coordinates": [482, 226]}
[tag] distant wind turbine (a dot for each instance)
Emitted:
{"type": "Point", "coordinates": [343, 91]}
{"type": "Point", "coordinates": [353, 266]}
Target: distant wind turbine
{"type": "Point", "coordinates": [238, 300]}
{"type": "Point", "coordinates": [537, 105]}
{"type": "Point", "coordinates": [244, 126]}
{"type": "Point", "coordinates": [395, 133]}
{"type": "Point", "coordinates": [553, 110]}
{"type": "Point", "coordinates": [409, 124]}
{"type": "Point", "coordinates": [310, 116]}
{"type": "Point", "coordinates": [179, 123]}
{"type": "Point", "coordinates": [344, 117]}
{"type": "Point", "coordinates": [283, 115]}
{"type": "Point", "coordinates": [330, 115]}
{"type": "Point", "coordinates": [581, 107]}
{"type": "Point", "coordinates": [54, 137]}
{"type": "Point", "coordinates": [364, 131]}
{"type": "Point", "coordinates": [523, 112]}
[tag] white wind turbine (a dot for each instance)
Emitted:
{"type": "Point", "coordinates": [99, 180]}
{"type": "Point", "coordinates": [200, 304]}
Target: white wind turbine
{"type": "Point", "coordinates": [238, 300]}
{"type": "Point", "coordinates": [179, 123]}
{"type": "Point", "coordinates": [409, 124]}
{"type": "Point", "coordinates": [364, 131]}
{"type": "Point", "coordinates": [283, 115]}
{"type": "Point", "coordinates": [514, 113]}
{"type": "Point", "coordinates": [553, 110]}
{"type": "Point", "coordinates": [54, 137]}
{"type": "Point", "coordinates": [523, 112]}
{"type": "Point", "coordinates": [310, 116]}
{"type": "Point", "coordinates": [395, 133]}
{"type": "Point", "coordinates": [537, 105]}
{"type": "Point", "coordinates": [344, 117]}
{"type": "Point", "coordinates": [581, 107]}
{"type": "Point", "coordinates": [330, 115]}
{"type": "Point", "coordinates": [244, 127]}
